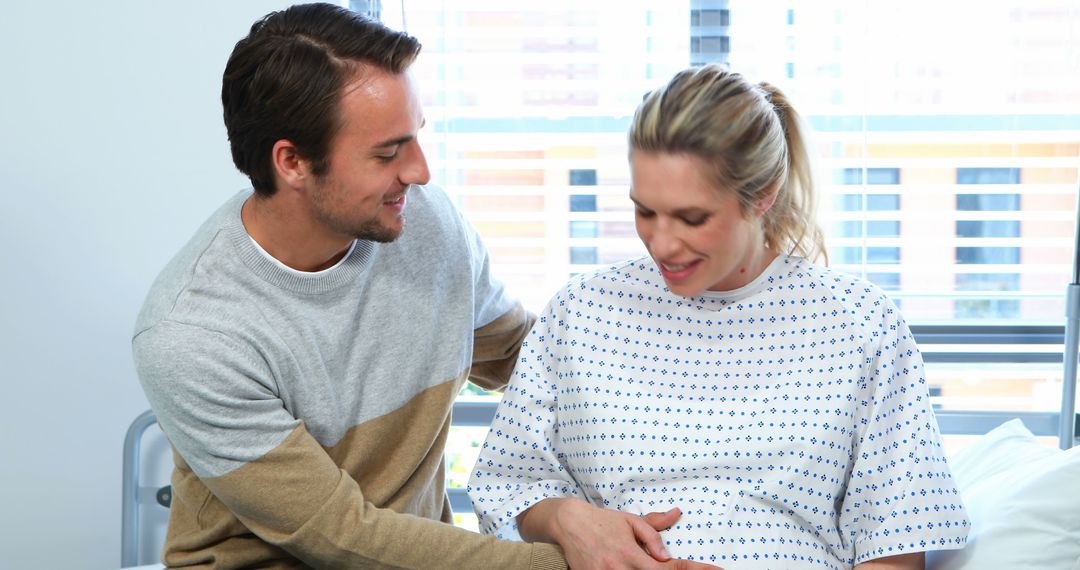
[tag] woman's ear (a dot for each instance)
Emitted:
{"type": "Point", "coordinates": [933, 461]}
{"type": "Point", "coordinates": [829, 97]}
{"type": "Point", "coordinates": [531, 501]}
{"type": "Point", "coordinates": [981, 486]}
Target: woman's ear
{"type": "Point", "coordinates": [289, 167]}
{"type": "Point", "coordinates": [767, 200]}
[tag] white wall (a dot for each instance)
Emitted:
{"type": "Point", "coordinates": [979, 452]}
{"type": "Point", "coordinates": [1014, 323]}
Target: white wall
{"type": "Point", "coordinates": [112, 151]}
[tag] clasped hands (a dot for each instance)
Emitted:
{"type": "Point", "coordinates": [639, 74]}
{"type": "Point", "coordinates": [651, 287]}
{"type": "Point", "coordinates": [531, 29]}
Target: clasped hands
{"type": "Point", "coordinates": [594, 538]}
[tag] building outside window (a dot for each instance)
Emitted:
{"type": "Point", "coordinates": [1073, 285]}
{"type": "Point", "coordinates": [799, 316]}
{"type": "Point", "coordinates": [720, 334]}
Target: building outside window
{"type": "Point", "coordinates": [992, 175]}
{"type": "Point", "coordinates": [973, 230]}
{"type": "Point", "coordinates": [974, 308]}
{"type": "Point", "coordinates": [869, 176]}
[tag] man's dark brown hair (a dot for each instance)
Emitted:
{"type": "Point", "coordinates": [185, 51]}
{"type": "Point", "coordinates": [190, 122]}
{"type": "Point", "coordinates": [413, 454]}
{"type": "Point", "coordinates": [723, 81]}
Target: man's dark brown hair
{"type": "Point", "coordinates": [285, 80]}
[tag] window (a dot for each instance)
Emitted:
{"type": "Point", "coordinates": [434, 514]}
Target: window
{"type": "Point", "coordinates": [583, 255]}
{"type": "Point", "coordinates": [583, 202]}
{"type": "Point", "coordinates": [710, 18]}
{"type": "Point", "coordinates": [993, 307]}
{"type": "Point", "coordinates": [987, 282]}
{"type": "Point", "coordinates": [708, 33]}
{"type": "Point", "coordinates": [987, 228]}
{"type": "Point", "coordinates": [887, 281]}
{"type": "Point", "coordinates": [880, 255]}
{"type": "Point", "coordinates": [988, 306]}
{"type": "Point", "coordinates": [987, 175]}
{"type": "Point", "coordinates": [987, 202]}
{"type": "Point", "coordinates": [873, 202]}
{"type": "Point", "coordinates": [715, 45]}
{"type": "Point", "coordinates": [871, 228]}
{"type": "Point", "coordinates": [996, 255]}
{"type": "Point", "coordinates": [938, 172]}
{"type": "Point", "coordinates": [583, 177]}
{"type": "Point", "coordinates": [584, 229]}
{"type": "Point", "coordinates": [870, 175]}
{"type": "Point", "coordinates": [874, 255]}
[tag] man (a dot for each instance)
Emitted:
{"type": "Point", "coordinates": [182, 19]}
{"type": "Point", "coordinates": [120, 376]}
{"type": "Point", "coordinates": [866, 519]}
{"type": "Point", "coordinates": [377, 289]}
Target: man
{"type": "Point", "coordinates": [302, 352]}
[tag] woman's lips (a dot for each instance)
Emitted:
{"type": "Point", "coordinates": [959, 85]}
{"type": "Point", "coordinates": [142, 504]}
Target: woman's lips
{"type": "Point", "coordinates": [676, 272]}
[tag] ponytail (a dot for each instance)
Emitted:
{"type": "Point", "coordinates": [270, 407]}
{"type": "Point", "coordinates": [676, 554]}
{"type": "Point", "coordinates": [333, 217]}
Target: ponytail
{"type": "Point", "coordinates": [791, 223]}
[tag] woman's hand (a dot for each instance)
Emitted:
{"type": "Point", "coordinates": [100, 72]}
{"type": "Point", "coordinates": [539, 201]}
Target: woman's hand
{"type": "Point", "coordinates": [597, 538]}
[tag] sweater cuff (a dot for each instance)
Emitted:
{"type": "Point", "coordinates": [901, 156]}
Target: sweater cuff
{"type": "Point", "coordinates": [547, 557]}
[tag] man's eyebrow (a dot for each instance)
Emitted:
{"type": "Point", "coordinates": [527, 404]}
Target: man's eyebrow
{"type": "Point", "coordinates": [394, 141]}
{"type": "Point", "coordinates": [399, 140]}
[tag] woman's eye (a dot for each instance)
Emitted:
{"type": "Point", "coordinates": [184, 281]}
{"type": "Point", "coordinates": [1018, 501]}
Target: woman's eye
{"type": "Point", "coordinates": [645, 213]}
{"type": "Point", "coordinates": [694, 221]}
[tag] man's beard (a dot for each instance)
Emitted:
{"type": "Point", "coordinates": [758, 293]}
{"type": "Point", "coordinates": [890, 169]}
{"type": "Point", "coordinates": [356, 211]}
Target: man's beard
{"type": "Point", "coordinates": [372, 230]}
{"type": "Point", "coordinates": [368, 230]}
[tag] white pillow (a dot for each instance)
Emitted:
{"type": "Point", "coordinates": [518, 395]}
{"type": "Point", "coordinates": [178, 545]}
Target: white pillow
{"type": "Point", "coordinates": [1023, 498]}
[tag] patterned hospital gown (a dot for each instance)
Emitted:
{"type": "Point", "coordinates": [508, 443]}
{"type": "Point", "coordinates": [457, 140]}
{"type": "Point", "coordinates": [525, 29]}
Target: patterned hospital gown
{"type": "Point", "coordinates": [789, 419]}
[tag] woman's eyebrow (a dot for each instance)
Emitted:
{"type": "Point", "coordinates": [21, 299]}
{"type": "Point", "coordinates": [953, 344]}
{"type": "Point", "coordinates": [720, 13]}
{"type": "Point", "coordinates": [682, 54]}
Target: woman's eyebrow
{"type": "Point", "coordinates": [691, 211]}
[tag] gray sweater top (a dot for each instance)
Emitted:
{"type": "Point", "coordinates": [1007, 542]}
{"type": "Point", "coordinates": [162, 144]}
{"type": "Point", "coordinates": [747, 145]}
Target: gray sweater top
{"type": "Point", "coordinates": [308, 410]}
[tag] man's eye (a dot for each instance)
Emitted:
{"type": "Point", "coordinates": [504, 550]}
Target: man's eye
{"type": "Point", "coordinates": [386, 157]}
{"type": "Point", "coordinates": [645, 213]}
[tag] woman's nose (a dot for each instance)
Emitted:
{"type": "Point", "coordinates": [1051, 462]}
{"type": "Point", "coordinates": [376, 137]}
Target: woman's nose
{"type": "Point", "coordinates": [664, 244]}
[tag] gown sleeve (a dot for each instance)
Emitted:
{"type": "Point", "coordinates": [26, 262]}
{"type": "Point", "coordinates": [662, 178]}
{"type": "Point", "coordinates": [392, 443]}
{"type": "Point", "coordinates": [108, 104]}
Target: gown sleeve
{"type": "Point", "coordinates": [900, 496]}
{"type": "Point", "coordinates": [520, 463]}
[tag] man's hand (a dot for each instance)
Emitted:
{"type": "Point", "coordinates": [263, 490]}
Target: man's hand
{"type": "Point", "coordinates": [663, 521]}
{"type": "Point", "coordinates": [603, 539]}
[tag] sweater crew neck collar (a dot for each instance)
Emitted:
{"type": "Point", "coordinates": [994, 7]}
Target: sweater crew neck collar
{"type": "Point", "coordinates": [261, 264]}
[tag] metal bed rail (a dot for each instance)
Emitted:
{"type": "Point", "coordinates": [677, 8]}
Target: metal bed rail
{"type": "Point", "coordinates": [133, 493]}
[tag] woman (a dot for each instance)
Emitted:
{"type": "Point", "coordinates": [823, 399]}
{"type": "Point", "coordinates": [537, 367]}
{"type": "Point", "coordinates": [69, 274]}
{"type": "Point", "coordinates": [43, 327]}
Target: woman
{"type": "Point", "coordinates": [781, 405]}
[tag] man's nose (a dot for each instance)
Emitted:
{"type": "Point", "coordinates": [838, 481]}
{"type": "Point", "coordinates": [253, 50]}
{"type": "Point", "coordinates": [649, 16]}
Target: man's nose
{"type": "Point", "coordinates": [416, 170]}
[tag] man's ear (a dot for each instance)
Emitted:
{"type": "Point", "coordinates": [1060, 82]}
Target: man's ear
{"type": "Point", "coordinates": [767, 200]}
{"type": "Point", "coordinates": [292, 170]}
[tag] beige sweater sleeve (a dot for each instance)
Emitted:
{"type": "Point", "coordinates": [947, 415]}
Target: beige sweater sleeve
{"type": "Point", "coordinates": [296, 498]}
{"type": "Point", "coordinates": [496, 346]}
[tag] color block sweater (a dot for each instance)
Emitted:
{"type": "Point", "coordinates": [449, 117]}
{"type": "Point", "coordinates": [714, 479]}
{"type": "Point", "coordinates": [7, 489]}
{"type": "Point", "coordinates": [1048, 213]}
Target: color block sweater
{"type": "Point", "coordinates": [309, 412]}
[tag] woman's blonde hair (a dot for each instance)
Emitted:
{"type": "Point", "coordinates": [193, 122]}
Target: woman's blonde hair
{"type": "Point", "coordinates": [752, 138]}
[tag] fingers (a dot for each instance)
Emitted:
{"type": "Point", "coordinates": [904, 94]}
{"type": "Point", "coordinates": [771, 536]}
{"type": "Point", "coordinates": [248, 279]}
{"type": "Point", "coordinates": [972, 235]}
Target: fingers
{"type": "Point", "coordinates": [688, 565]}
{"type": "Point", "coordinates": [648, 536]}
{"type": "Point", "coordinates": [662, 521]}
